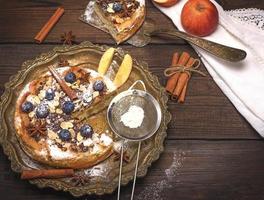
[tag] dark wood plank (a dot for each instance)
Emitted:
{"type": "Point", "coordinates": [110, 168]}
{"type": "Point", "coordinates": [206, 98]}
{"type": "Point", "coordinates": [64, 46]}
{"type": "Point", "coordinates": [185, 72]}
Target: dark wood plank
{"type": "Point", "coordinates": [207, 113]}
{"type": "Point", "coordinates": [20, 21]}
{"type": "Point", "coordinates": [187, 170]}
{"type": "Point", "coordinates": [23, 21]}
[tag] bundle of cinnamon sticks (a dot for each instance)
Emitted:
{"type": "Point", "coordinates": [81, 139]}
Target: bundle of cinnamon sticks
{"type": "Point", "coordinates": [179, 74]}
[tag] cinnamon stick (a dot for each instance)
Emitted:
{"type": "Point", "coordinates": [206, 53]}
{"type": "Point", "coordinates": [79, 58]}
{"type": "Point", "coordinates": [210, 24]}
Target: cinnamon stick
{"type": "Point", "coordinates": [184, 58]}
{"type": "Point", "coordinates": [171, 82]}
{"type": "Point", "coordinates": [181, 98]}
{"type": "Point", "coordinates": [183, 78]}
{"type": "Point", "coordinates": [70, 92]}
{"type": "Point", "coordinates": [49, 25]}
{"type": "Point", "coordinates": [50, 173]}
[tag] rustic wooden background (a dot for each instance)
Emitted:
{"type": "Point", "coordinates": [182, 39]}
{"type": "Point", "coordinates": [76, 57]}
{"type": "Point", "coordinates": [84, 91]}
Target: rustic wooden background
{"type": "Point", "coordinates": [211, 152]}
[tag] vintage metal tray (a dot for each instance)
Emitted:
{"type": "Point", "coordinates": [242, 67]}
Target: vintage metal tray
{"type": "Point", "coordinates": [102, 178]}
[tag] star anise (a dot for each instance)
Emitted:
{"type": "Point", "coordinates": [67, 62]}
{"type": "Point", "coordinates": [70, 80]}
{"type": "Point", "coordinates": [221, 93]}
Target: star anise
{"type": "Point", "coordinates": [80, 180]}
{"type": "Point", "coordinates": [117, 156]}
{"type": "Point", "coordinates": [63, 62]}
{"type": "Point", "coordinates": [68, 38]}
{"type": "Point", "coordinates": [37, 130]}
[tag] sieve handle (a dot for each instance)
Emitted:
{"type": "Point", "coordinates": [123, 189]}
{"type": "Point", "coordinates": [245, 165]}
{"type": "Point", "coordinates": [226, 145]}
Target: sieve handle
{"type": "Point", "coordinates": [136, 170]}
{"type": "Point", "coordinates": [120, 170]}
{"type": "Point", "coordinates": [136, 82]}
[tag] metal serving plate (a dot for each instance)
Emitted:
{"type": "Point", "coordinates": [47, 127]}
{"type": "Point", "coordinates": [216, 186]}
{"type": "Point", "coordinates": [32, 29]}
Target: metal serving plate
{"type": "Point", "coordinates": [102, 178]}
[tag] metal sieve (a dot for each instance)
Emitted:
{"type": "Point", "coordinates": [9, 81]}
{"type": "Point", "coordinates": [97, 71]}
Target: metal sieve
{"type": "Point", "coordinates": [150, 124]}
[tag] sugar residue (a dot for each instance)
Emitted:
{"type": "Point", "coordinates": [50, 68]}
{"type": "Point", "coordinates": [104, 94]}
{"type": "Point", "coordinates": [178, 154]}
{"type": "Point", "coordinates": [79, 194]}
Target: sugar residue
{"type": "Point", "coordinates": [154, 191]}
{"type": "Point", "coordinates": [172, 172]}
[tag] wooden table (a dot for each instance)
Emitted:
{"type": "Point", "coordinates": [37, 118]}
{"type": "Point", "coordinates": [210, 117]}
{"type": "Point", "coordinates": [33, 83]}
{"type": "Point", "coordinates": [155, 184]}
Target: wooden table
{"type": "Point", "coordinates": [211, 152]}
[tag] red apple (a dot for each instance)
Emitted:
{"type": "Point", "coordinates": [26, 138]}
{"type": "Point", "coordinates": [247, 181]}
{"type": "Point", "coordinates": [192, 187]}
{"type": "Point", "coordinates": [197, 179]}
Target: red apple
{"type": "Point", "coordinates": [166, 3]}
{"type": "Point", "coordinates": [199, 17]}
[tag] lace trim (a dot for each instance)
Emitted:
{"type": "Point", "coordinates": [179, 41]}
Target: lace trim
{"type": "Point", "coordinates": [251, 16]}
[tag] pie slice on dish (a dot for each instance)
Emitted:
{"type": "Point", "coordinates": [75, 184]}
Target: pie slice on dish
{"type": "Point", "coordinates": [122, 18]}
{"type": "Point", "coordinates": [45, 125]}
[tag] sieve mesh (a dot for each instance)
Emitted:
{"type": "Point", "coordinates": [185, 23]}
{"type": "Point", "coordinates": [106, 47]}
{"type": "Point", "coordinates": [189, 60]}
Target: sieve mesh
{"type": "Point", "coordinates": [151, 115]}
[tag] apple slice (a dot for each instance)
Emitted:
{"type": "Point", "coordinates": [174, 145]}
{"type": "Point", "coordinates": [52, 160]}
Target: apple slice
{"type": "Point", "coordinates": [106, 61]}
{"type": "Point", "coordinates": [123, 71]}
{"type": "Point", "coordinates": [166, 3]}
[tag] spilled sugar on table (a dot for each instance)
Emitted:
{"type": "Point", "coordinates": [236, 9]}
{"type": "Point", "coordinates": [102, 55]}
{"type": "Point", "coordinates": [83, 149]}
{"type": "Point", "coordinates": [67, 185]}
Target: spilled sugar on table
{"type": "Point", "coordinates": [211, 152]}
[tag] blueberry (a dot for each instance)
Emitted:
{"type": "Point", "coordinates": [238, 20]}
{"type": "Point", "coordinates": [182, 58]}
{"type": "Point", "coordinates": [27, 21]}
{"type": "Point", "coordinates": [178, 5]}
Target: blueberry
{"type": "Point", "coordinates": [42, 111]}
{"type": "Point", "coordinates": [70, 77]}
{"type": "Point", "coordinates": [117, 7]}
{"type": "Point", "coordinates": [50, 94]}
{"type": "Point", "coordinates": [98, 85]}
{"type": "Point", "coordinates": [65, 135]}
{"type": "Point", "coordinates": [86, 131]}
{"type": "Point", "coordinates": [27, 107]}
{"type": "Point", "coordinates": [68, 107]}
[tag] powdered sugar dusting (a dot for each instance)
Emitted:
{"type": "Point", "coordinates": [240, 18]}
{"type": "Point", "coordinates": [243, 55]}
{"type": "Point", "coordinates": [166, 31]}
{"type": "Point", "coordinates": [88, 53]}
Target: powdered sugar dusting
{"type": "Point", "coordinates": [56, 153]}
{"type": "Point", "coordinates": [154, 191]}
{"type": "Point", "coordinates": [172, 172]}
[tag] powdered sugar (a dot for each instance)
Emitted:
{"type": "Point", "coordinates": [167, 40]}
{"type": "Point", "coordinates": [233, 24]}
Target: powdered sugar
{"type": "Point", "coordinates": [88, 142]}
{"type": "Point", "coordinates": [154, 191]}
{"type": "Point", "coordinates": [106, 140]}
{"type": "Point", "coordinates": [133, 118]}
{"type": "Point", "coordinates": [56, 153]}
{"type": "Point", "coordinates": [176, 164]}
{"type": "Point", "coordinates": [142, 2]}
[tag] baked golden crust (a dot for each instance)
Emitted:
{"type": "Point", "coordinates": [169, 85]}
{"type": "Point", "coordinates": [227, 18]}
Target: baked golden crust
{"type": "Point", "coordinates": [50, 149]}
{"type": "Point", "coordinates": [122, 26]}
{"type": "Point", "coordinates": [136, 23]}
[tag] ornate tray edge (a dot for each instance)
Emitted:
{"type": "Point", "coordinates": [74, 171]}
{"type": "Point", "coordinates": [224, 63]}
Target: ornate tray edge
{"type": "Point", "coordinates": [9, 149]}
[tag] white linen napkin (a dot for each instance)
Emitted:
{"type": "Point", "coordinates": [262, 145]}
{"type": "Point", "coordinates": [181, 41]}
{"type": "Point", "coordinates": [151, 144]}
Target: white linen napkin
{"type": "Point", "coordinates": [243, 82]}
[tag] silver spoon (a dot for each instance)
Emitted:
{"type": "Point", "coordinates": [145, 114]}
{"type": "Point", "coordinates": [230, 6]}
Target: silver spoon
{"type": "Point", "coordinates": [149, 30]}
